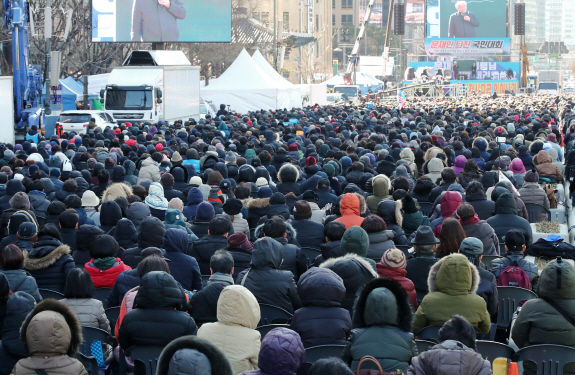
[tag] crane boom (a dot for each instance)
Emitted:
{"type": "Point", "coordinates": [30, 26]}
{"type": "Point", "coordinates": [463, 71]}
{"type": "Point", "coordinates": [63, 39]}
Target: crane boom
{"type": "Point", "coordinates": [27, 77]}
{"type": "Point", "coordinates": [354, 57]}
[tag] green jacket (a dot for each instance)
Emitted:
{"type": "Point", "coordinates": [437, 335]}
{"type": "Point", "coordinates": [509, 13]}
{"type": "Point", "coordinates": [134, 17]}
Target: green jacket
{"type": "Point", "coordinates": [381, 187]}
{"type": "Point", "coordinates": [452, 285]}
{"type": "Point", "coordinates": [539, 323]}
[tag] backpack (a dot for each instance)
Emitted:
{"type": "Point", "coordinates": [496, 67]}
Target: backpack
{"type": "Point", "coordinates": [513, 275]}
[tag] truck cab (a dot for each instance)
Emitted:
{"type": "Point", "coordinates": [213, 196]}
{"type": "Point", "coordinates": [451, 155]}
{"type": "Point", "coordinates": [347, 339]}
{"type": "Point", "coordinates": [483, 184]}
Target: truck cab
{"type": "Point", "coordinates": [549, 88]}
{"type": "Point", "coordinates": [129, 102]}
{"type": "Point", "coordinates": [352, 92]}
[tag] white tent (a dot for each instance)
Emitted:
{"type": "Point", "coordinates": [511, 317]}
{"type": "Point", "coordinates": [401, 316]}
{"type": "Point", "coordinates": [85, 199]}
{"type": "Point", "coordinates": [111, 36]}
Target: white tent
{"type": "Point", "coordinates": [295, 94]}
{"type": "Point", "coordinates": [244, 86]}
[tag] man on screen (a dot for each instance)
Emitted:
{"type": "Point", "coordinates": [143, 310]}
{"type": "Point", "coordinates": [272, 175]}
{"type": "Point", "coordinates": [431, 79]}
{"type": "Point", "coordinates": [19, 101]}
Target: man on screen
{"type": "Point", "coordinates": [156, 20]}
{"type": "Point", "coordinates": [462, 23]}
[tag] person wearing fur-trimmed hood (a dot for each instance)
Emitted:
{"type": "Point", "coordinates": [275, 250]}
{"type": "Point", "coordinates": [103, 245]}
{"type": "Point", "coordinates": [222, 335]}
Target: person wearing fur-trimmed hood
{"type": "Point", "coordinates": [382, 321]}
{"type": "Point", "coordinates": [453, 282]}
{"type": "Point", "coordinates": [52, 334]}
{"type": "Point", "coordinates": [194, 356]}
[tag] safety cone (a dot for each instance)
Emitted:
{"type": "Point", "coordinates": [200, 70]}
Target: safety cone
{"type": "Point", "coordinates": [513, 369]}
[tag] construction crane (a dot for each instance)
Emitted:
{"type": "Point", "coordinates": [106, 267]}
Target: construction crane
{"type": "Point", "coordinates": [353, 59]}
{"type": "Point", "coordinates": [28, 78]}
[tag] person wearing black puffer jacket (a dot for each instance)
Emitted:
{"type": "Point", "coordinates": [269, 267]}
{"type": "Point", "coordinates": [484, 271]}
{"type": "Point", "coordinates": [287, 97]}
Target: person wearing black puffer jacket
{"type": "Point", "coordinates": [390, 212]}
{"type": "Point", "coordinates": [321, 320]}
{"type": "Point", "coordinates": [183, 267]}
{"type": "Point", "coordinates": [180, 179]}
{"type": "Point", "coordinates": [475, 196]}
{"type": "Point", "coordinates": [294, 260]}
{"type": "Point", "coordinates": [167, 181]}
{"type": "Point", "coordinates": [151, 234]}
{"type": "Point", "coordinates": [126, 235]}
{"type": "Point", "coordinates": [85, 236]}
{"type": "Point", "coordinates": [12, 187]}
{"type": "Point", "coordinates": [266, 281]}
{"type": "Point", "coordinates": [217, 239]}
{"type": "Point", "coordinates": [49, 262]}
{"type": "Point", "coordinates": [12, 349]}
{"type": "Point", "coordinates": [159, 315]}
{"type": "Point", "coordinates": [110, 214]}
{"type": "Point", "coordinates": [277, 207]}
{"type": "Point", "coordinates": [288, 176]}
{"type": "Point", "coordinates": [241, 249]}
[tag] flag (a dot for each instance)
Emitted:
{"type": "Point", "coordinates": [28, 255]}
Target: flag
{"type": "Point", "coordinates": [400, 100]}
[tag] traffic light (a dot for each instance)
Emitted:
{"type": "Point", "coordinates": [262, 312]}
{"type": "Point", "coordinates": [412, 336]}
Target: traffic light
{"type": "Point", "coordinates": [399, 19]}
{"type": "Point", "coordinates": [519, 19]}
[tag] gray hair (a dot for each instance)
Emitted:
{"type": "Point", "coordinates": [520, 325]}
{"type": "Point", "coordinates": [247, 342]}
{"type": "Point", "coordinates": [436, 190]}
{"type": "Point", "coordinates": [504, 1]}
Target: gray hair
{"type": "Point", "coordinates": [460, 2]}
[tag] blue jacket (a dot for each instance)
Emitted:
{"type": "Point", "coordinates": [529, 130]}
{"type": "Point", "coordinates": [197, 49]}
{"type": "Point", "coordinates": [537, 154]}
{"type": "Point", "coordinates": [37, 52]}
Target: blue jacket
{"type": "Point", "coordinates": [183, 268]}
{"type": "Point", "coordinates": [125, 281]}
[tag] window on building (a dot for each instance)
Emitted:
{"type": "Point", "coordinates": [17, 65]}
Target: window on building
{"type": "Point", "coordinates": [333, 3]}
{"type": "Point", "coordinates": [346, 4]}
{"type": "Point", "coordinates": [286, 21]}
{"type": "Point", "coordinates": [285, 74]}
{"type": "Point", "coordinates": [256, 15]}
{"type": "Point", "coordinates": [265, 17]}
{"type": "Point", "coordinates": [333, 19]}
{"type": "Point", "coordinates": [346, 18]}
{"type": "Point", "coordinates": [316, 22]}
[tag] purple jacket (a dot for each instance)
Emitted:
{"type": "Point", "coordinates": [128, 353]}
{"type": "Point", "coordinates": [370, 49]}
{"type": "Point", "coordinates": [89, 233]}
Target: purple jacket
{"type": "Point", "coordinates": [281, 353]}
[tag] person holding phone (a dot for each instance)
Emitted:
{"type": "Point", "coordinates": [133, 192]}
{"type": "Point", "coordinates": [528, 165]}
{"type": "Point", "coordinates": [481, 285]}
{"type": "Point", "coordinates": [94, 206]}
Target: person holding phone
{"type": "Point", "coordinates": [156, 20]}
{"type": "Point", "coordinates": [462, 23]}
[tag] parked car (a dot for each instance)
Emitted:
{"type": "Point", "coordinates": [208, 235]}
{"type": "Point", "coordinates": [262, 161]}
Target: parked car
{"type": "Point", "coordinates": [77, 121]}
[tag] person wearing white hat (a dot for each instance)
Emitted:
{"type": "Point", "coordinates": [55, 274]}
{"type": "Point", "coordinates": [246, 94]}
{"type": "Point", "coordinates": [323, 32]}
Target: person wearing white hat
{"type": "Point", "coordinates": [89, 203]}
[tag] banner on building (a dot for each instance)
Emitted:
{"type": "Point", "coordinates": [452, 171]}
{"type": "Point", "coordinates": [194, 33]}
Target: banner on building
{"type": "Point", "coordinates": [468, 46]}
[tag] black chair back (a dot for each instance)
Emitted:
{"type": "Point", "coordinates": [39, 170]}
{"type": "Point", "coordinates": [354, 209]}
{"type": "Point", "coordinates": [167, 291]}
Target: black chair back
{"type": "Point", "coordinates": [47, 293]}
{"type": "Point", "coordinates": [533, 209]}
{"type": "Point", "coordinates": [550, 359]}
{"type": "Point", "coordinates": [273, 315]}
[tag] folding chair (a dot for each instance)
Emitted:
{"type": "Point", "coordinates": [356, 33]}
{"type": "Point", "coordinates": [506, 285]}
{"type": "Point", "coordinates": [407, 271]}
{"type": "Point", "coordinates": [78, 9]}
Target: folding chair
{"type": "Point", "coordinates": [145, 358]}
{"type": "Point", "coordinates": [113, 313]}
{"type": "Point", "coordinates": [424, 345]}
{"type": "Point", "coordinates": [271, 314]}
{"type": "Point", "coordinates": [91, 334]}
{"type": "Point", "coordinates": [550, 359]}
{"type": "Point", "coordinates": [509, 298]}
{"type": "Point", "coordinates": [47, 293]}
{"type": "Point", "coordinates": [430, 333]}
{"type": "Point", "coordinates": [102, 295]}
{"type": "Point", "coordinates": [533, 209]}
{"type": "Point", "coordinates": [491, 350]}
{"type": "Point", "coordinates": [263, 330]}
{"type": "Point", "coordinates": [487, 259]}
{"type": "Point", "coordinates": [316, 353]}
{"type": "Point", "coordinates": [310, 254]}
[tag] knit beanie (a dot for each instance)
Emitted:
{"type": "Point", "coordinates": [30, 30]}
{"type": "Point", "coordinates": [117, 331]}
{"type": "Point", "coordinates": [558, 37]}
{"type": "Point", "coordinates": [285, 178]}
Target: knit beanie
{"type": "Point", "coordinates": [205, 211]}
{"type": "Point", "coordinates": [532, 176]}
{"type": "Point", "coordinates": [230, 157]}
{"type": "Point", "coordinates": [301, 210]}
{"type": "Point", "coordinates": [239, 241]}
{"type": "Point", "coordinates": [394, 258]}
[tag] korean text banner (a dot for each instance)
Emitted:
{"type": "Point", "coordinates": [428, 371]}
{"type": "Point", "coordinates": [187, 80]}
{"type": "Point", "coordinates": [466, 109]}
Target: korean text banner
{"type": "Point", "coordinates": [161, 21]}
{"type": "Point", "coordinates": [459, 47]}
{"type": "Point", "coordinates": [470, 19]}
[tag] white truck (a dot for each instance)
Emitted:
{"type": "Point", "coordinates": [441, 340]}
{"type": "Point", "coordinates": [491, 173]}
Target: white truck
{"type": "Point", "coordinates": [352, 92]}
{"type": "Point", "coordinates": [153, 86]}
{"type": "Point", "coordinates": [550, 82]}
{"type": "Point", "coordinates": [6, 110]}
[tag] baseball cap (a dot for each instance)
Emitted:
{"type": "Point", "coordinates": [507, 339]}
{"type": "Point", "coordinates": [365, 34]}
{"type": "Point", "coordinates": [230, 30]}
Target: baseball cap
{"type": "Point", "coordinates": [514, 240]}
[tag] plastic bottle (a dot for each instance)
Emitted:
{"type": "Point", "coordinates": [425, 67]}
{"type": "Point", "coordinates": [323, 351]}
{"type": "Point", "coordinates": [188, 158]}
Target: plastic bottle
{"type": "Point", "coordinates": [500, 366]}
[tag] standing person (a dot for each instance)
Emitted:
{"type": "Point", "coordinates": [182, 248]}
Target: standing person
{"type": "Point", "coordinates": [462, 23]}
{"type": "Point", "coordinates": [52, 334]}
{"type": "Point", "coordinates": [382, 322]}
{"type": "Point", "coordinates": [235, 332]}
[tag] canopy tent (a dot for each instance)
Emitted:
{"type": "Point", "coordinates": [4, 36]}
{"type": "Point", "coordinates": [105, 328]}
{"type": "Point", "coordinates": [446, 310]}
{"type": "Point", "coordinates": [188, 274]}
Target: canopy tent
{"type": "Point", "coordinates": [71, 92]}
{"type": "Point", "coordinates": [295, 93]}
{"type": "Point", "coordinates": [244, 86]}
{"type": "Point", "coordinates": [364, 81]}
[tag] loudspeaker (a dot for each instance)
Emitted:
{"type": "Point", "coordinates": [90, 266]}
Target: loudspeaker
{"type": "Point", "coordinates": [519, 19]}
{"type": "Point", "coordinates": [399, 19]}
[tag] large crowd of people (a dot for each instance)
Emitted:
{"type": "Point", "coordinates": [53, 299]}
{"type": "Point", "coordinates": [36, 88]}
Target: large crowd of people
{"type": "Point", "coordinates": [196, 226]}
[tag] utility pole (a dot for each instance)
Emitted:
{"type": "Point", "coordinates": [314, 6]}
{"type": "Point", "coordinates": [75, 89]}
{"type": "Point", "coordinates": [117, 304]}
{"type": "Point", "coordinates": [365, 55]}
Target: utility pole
{"type": "Point", "coordinates": [387, 37]}
{"type": "Point", "coordinates": [275, 36]}
{"type": "Point", "coordinates": [48, 36]}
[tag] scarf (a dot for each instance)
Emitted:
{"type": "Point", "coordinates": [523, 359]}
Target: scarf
{"type": "Point", "coordinates": [104, 263]}
{"type": "Point", "coordinates": [470, 220]}
{"type": "Point", "coordinates": [221, 278]}
{"type": "Point", "coordinates": [155, 198]}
